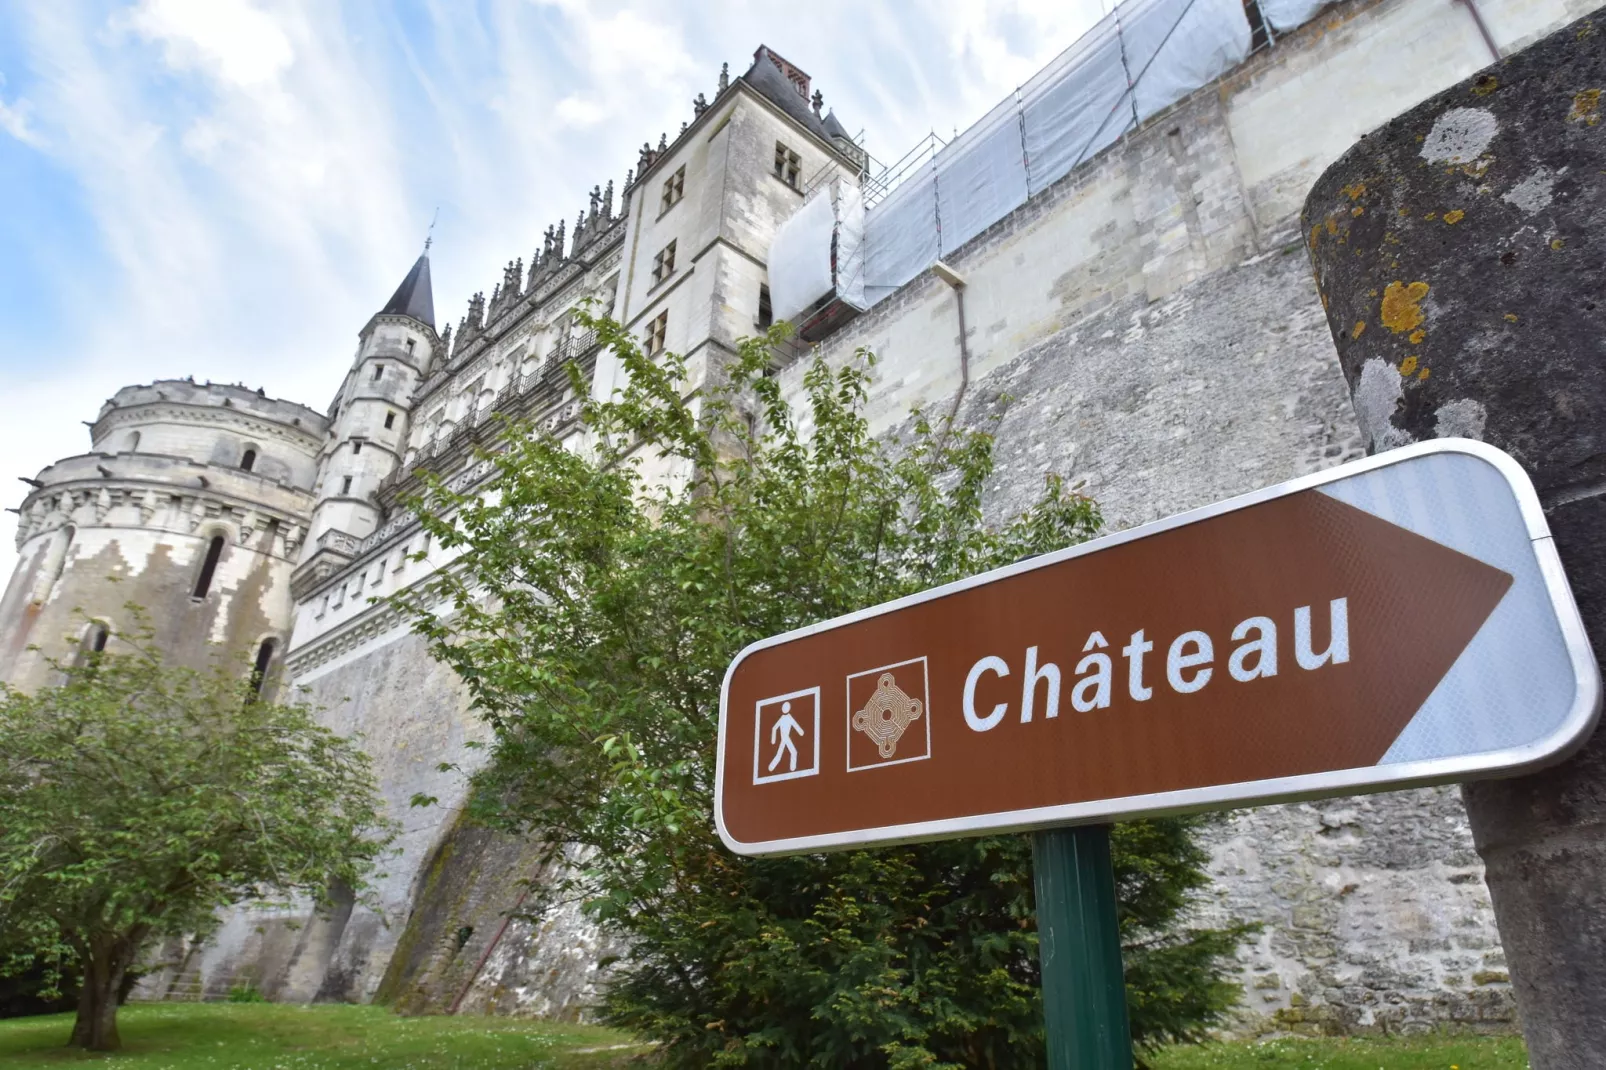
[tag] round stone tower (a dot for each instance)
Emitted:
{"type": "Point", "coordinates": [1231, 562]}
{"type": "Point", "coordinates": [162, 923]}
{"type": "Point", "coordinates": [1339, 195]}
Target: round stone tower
{"type": "Point", "coordinates": [196, 499]}
{"type": "Point", "coordinates": [368, 423]}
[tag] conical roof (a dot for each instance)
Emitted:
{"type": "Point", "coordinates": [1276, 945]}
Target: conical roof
{"type": "Point", "coordinates": [414, 297]}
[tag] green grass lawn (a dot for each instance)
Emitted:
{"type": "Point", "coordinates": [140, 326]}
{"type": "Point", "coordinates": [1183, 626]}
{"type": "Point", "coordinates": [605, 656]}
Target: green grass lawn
{"type": "Point", "coordinates": [1427, 1053]}
{"type": "Point", "coordinates": [269, 1036]}
{"type": "Point", "coordinates": [272, 1036]}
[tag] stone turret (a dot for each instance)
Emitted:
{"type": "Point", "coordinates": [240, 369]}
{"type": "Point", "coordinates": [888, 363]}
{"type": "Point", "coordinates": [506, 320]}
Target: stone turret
{"type": "Point", "coordinates": [195, 498]}
{"type": "Point", "coordinates": [368, 423]}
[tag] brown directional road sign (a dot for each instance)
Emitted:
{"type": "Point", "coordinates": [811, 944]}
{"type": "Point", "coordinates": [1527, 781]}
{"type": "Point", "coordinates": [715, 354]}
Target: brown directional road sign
{"type": "Point", "coordinates": [1261, 652]}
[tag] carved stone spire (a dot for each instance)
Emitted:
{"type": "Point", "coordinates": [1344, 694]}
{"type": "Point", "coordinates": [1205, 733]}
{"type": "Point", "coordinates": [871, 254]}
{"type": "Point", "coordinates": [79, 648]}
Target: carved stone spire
{"type": "Point", "coordinates": [559, 240]}
{"type": "Point", "coordinates": [698, 106]}
{"type": "Point", "coordinates": [724, 76]}
{"type": "Point", "coordinates": [818, 101]}
{"type": "Point", "coordinates": [630, 176]}
{"type": "Point", "coordinates": [683, 126]}
{"type": "Point", "coordinates": [663, 142]}
{"type": "Point", "coordinates": [607, 200]}
{"type": "Point", "coordinates": [596, 202]}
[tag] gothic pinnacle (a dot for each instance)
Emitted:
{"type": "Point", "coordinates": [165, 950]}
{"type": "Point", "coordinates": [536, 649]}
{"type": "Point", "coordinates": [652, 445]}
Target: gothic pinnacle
{"type": "Point", "coordinates": [724, 76]}
{"type": "Point", "coordinates": [663, 142]}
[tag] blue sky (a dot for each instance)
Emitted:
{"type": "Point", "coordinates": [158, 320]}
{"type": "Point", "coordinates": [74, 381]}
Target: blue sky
{"type": "Point", "coordinates": [229, 188]}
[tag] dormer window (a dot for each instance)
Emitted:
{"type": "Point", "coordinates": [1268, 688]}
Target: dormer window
{"type": "Point", "coordinates": [788, 166]}
{"type": "Point", "coordinates": [663, 265]}
{"type": "Point", "coordinates": [674, 188]}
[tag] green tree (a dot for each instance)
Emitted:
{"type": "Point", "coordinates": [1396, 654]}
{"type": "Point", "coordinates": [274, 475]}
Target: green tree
{"type": "Point", "coordinates": [594, 608]}
{"type": "Point", "coordinates": [137, 798]}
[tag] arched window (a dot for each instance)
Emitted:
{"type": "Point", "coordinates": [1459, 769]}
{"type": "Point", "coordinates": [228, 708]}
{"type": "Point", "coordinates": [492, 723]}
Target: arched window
{"type": "Point", "coordinates": [259, 673]}
{"type": "Point", "coordinates": [248, 460]}
{"type": "Point", "coordinates": [92, 643]}
{"type": "Point", "coordinates": [203, 582]}
{"type": "Point", "coordinates": [133, 442]}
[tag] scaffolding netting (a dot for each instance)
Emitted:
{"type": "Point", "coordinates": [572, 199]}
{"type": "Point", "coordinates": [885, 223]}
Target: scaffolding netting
{"type": "Point", "coordinates": [1137, 61]}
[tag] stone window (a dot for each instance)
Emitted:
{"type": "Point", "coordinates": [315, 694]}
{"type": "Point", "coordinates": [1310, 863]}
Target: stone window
{"type": "Point", "coordinates": [390, 420]}
{"type": "Point", "coordinates": [203, 579]}
{"type": "Point", "coordinates": [410, 344]}
{"type": "Point", "coordinates": [788, 167]}
{"type": "Point", "coordinates": [655, 333]}
{"type": "Point", "coordinates": [345, 485]}
{"type": "Point", "coordinates": [674, 189]}
{"type": "Point", "coordinates": [379, 369]}
{"type": "Point", "coordinates": [259, 671]}
{"type": "Point", "coordinates": [133, 442]}
{"type": "Point", "coordinates": [356, 447]}
{"type": "Point", "coordinates": [766, 314]}
{"type": "Point", "coordinates": [663, 265]}
{"type": "Point", "coordinates": [93, 642]}
{"type": "Point", "coordinates": [248, 460]}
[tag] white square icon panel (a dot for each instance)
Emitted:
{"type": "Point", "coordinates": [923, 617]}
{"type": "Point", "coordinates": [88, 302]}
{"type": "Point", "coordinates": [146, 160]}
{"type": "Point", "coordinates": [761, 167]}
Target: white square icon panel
{"type": "Point", "coordinates": [786, 736]}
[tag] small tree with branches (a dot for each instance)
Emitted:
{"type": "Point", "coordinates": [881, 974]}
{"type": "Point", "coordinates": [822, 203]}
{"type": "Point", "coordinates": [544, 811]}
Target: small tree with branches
{"type": "Point", "coordinates": [138, 798]}
{"type": "Point", "coordinates": [594, 609]}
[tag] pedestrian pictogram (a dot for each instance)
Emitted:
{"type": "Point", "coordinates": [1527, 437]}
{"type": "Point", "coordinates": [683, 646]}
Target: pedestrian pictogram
{"type": "Point", "coordinates": [888, 722]}
{"type": "Point", "coordinates": [786, 741]}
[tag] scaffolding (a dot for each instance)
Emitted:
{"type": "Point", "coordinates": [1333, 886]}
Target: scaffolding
{"type": "Point", "coordinates": [1138, 60]}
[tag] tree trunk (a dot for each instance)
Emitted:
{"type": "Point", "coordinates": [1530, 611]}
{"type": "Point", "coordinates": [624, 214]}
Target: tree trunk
{"type": "Point", "coordinates": [96, 1027]}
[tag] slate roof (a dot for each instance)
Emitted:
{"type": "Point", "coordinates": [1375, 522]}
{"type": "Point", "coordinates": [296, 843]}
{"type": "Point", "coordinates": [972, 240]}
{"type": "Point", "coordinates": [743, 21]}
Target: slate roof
{"type": "Point", "coordinates": [414, 296]}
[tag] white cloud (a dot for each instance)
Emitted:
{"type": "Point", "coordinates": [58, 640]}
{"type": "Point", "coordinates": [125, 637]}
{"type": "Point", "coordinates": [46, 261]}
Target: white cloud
{"type": "Point", "coordinates": [14, 120]}
{"type": "Point", "coordinates": [229, 39]}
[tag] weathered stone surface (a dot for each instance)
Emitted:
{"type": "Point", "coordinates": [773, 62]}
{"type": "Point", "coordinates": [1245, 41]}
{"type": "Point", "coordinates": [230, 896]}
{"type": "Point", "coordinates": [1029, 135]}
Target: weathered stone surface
{"type": "Point", "coordinates": [1461, 254]}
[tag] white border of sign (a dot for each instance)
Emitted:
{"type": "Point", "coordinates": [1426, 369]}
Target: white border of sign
{"type": "Point", "coordinates": [1572, 733]}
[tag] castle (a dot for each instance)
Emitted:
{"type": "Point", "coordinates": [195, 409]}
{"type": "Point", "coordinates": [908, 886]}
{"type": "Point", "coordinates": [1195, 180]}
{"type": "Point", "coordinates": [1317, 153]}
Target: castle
{"type": "Point", "coordinates": [1134, 312]}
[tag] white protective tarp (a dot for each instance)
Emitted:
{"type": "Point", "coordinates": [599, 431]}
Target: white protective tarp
{"type": "Point", "coordinates": [1285, 15]}
{"type": "Point", "coordinates": [981, 177]}
{"type": "Point", "coordinates": [1175, 46]}
{"type": "Point", "coordinates": [900, 235]}
{"type": "Point", "coordinates": [850, 245]}
{"type": "Point", "coordinates": [800, 258]}
{"type": "Point", "coordinates": [1075, 106]}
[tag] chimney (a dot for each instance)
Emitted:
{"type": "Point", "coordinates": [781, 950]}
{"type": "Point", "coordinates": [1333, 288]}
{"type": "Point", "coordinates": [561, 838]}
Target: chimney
{"type": "Point", "coordinates": [794, 74]}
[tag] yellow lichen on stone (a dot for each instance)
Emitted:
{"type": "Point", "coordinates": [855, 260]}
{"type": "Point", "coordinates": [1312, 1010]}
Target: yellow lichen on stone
{"type": "Point", "coordinates": [1332, 225]}
{"type": "Point", "coordinates": [1586, 107]}
{"type": "Point", "coordinates": [1315, 235]}
{"type": "Point", "coordinates": [1511, 317]}
{"type": "Point", "coordinates": [1454, 216]}
{"type": "Point", "coordinates": [1423, 374]}
{"type": "Point", "coordinates": [1556, 244]}
{"type": "Point", "coordinates": [1431, 216]}
{"type": "Point", "coordinates": [1417, 336]}
{"type": "Point", "coordinates": [1354, 192]}
{"type": "Point", "coordinates": [1402, 309]}
{"type": "Point", "coordinates": [1485, 85]}
{"type": "Point", "coordinates": [1357, 210]}
{"type": "Point", "coordinates": [1360, 326]}
{"type": "Point", "coordinates": [1408, 365]}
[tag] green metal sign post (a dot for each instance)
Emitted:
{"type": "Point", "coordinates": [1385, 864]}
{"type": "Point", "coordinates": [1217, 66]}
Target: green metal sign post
{"type": "Point", "coordinates": [1079, 944]}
